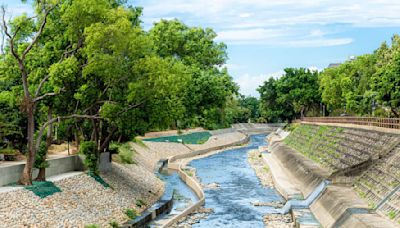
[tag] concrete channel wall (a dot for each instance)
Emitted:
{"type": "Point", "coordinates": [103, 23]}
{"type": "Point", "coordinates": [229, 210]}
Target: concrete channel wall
{"type": "Point", "coordinates": [338, 205]}
{"type": "Point", "coordinates": [11, 173]}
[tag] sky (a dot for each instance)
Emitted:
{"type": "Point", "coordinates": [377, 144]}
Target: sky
{"type": "Point", "coordinates": [266, 36]}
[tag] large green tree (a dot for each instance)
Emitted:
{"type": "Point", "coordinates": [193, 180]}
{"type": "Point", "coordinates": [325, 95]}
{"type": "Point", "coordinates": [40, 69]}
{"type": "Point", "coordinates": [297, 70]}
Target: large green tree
{"type": "Point", "coordinates": [291, 96]}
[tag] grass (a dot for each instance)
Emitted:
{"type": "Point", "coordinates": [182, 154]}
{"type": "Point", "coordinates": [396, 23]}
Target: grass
{"type": "Point", "coordinates": [139, 142]}
{"type": "Point", "coordinates": [140, 203]}
{"type": "Point", "coordinates": [131, 213]}
{"type": "Point", "coordinates": [124, 153]}
{"type": "Point", "coordinates": [8, 151]}
{"type": "Point", "coordinates": [391, 214]}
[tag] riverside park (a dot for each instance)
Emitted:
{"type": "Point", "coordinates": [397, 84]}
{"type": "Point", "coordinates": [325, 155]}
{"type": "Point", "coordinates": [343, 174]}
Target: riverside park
{"type": "Point", "coordinates": [175, 113]}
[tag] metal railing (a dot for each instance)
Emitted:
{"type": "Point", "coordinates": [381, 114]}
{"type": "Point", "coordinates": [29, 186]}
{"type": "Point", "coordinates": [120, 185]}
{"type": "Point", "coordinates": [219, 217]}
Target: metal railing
{"type": "Point", "coordinates": [393, 123]}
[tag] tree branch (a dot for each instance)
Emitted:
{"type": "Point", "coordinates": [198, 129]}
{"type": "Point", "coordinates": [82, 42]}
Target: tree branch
{"type": "Point", "coordinates": [57, 119]}
{"type": "Point", "coordinates": [130, 107]}
{"type": "Point", "coordinates": [44, 96]}
{"type": "Point", "coordinates": [38, 34]}
{"type": "Point", "coordinates": [11, 38]}
{"type": "Point", "coordinates": [41, 85]}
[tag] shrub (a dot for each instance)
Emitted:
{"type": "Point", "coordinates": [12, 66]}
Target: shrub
{"type": "Point", "coordinates": [140, 203]}
{"type": "Point", "coordinates": [89, 149]}
{"type": "Point", "coordinates": [131, 213]}
{"type": "Point", "coordinates": [392, 214]}
{"type": "Point", "coordinates": [114, 224]}
{"type": "Point", "coordinates": [40, 157]}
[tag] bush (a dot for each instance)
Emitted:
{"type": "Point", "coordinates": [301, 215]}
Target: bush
{"type": "Point", "coordinates": [140, 203]}
{"type": "Point", "coordinates": [40, 157]}
{"type": "Point", "coordinates": [114, 224]}
{"type": "Point", "coordinates": [131, 213]}
{"type": "Point", "coordinates": [89, 149]}
{"type": "Point", "coordinates": [125, 153]}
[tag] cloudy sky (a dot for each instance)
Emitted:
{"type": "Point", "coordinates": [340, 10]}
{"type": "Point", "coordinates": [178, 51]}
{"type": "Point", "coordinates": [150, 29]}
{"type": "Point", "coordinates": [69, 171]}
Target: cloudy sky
{"type": "Point", "coordinates": [265, 36]}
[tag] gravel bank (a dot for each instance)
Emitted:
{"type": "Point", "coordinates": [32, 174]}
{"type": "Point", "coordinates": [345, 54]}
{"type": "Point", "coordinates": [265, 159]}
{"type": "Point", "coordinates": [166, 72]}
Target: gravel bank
{"type": "Point", "coordinates": [262, 171]}
{"type": "Point", "coordinates": [260, 167]}
{"type": "Point", "coordinates": [82, 200]}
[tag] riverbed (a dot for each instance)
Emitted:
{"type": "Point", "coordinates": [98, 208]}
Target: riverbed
{"type": "Point", "coordinates": [238, 189]}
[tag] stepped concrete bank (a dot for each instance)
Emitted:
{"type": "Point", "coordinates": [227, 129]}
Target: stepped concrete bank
{"type": "Point", "coordinates": [347, 157]}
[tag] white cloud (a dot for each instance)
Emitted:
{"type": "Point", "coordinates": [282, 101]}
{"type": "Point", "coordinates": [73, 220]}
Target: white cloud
{"type": "Point", "coordinates": [277, 22]}
{"type": "Point", "coordinates": [249, 83]}
{"type": "Point", "coordinates": [320, 42]}
{"type": "Point", "coordinates": [245, 15]}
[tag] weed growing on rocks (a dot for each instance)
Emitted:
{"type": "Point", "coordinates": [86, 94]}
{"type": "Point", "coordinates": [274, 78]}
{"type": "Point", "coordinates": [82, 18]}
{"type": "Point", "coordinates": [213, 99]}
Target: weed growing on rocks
{"type": "Point", "coordinates": [131, 213]}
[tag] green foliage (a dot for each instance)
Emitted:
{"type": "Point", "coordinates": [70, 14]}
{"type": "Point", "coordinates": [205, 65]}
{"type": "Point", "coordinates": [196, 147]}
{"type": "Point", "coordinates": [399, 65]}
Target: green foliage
{"type": "Point", "coordinates": [391, 214]}
{"type": "Point", "coordinates": [43, 188]}
{"type": "Point", "coordinates": [89, 149]}
{"type": "Point", "coordinates": [139, 142]}
{"type": "Point", "coordinates": [131, 213]}
{"type": "Point", "coordinates": [114, 224]}
{"type": "Point", "coordinates": [40, 160]}
{"type": "Point", "coordinates": [124, 152]}
{"type": "Point", "coordinates": [140, 203]}
{"type": "Point", "coordinates": [92, 226]}
{"type": "Point", "coordinates": [293, 95]}
{"type": "Point", "coordinates": [8, 151]}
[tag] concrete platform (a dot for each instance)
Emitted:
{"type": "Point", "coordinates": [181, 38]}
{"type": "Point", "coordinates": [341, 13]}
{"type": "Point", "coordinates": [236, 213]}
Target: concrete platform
{"type": "Point", "coordinates": [304, 218]}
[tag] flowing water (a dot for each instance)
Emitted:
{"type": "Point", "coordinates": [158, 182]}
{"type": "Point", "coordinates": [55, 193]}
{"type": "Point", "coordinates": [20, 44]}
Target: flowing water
{"type": "Point", "coordinates": [238, 189]}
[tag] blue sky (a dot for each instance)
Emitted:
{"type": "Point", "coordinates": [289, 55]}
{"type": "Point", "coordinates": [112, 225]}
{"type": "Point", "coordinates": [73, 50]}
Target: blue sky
{"type": "Point", "coordinates": [265, 36]}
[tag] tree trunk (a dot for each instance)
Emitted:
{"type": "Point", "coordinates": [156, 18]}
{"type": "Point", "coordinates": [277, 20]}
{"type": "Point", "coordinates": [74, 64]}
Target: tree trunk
{"type": "Point", "coordinates": [41, 175]}
{"type": "Point", "coordinates": [26, 177]}
{"type": "Point", "coordinates": [49, 138]}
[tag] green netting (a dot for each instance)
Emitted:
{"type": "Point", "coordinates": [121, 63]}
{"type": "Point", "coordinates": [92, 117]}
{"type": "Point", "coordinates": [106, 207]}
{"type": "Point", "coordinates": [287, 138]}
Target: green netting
{"type": "Point", "coordinates": [192, 138]}
{"type": "Point", "coordinates": [43, 188]}
{"type": "Point", "coordinates": [99, 179]}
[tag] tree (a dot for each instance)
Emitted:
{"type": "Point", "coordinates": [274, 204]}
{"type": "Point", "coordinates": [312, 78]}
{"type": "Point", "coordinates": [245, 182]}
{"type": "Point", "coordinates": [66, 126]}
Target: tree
{"type": "Point", "coordinates": [386, 80]}
{"type": "Point", "coordinates": [349, 85]}
{"type": "Point", "coordinates": [291, 96]}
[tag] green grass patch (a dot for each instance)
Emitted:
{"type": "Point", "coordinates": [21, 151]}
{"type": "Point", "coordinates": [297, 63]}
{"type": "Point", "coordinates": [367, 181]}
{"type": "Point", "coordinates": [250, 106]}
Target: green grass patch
{"type": "Point", "coordinates": [8, 151]}
{"type": "Point", "coordinates": [139, 142]}
{"type": "Point", "coordinates": [43, 188]}
{"type": "Point", "coordinates": [124, 153]}
{"type": "Point", "coordinates": [99, 179]}
{"type": "Point", "coordinates": [192, 138]}
{"type": "Point", "coordinates": [391, 214]}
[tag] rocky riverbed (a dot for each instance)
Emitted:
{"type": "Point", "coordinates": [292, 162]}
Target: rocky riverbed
{"type": "Point", "coordinates": [261, 169]}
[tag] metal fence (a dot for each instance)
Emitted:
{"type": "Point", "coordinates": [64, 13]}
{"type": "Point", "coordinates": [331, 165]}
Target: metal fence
{"type": "Point", "coordinates": [393, 123]}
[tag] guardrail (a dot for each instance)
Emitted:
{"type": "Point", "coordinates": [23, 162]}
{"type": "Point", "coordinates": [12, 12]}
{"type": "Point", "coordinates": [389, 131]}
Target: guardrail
{"type": "Point", "coordinates": [393, 123]}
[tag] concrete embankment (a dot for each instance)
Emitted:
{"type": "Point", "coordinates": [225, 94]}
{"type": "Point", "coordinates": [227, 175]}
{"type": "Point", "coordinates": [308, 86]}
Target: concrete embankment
{"type": "Point", "coordinates": [346, 157]}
